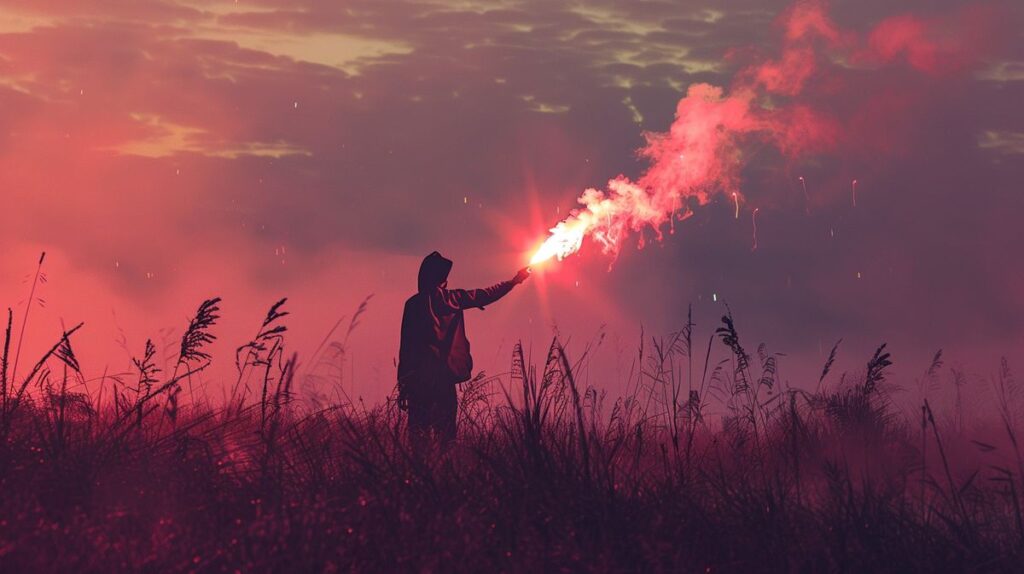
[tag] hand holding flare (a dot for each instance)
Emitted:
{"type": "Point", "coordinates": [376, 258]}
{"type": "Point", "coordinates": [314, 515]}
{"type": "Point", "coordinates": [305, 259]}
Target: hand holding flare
{"type": "Point", "coordinates": [522, 275]}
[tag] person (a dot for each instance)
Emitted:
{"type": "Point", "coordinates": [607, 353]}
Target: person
{"type": "Point", "coordinates": [434, 354]}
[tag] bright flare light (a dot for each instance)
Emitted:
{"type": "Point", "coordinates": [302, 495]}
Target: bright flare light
{"type": "Point", "coordinates": [606, 217]}
{"type": "Point", "coordinates": [566, 239]}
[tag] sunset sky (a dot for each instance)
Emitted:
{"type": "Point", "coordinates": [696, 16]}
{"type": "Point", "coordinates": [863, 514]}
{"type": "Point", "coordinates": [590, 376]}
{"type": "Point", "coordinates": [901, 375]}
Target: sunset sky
{"type": "Point", "coordinates": [162, 152]}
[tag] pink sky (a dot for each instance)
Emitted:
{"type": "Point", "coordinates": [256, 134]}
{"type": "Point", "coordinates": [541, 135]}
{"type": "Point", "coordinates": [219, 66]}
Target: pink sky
{"type": "Point", "coordinates": [162, 152]}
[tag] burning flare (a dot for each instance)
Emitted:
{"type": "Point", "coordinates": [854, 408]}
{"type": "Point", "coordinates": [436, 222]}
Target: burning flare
{"type": "Point", "coordinates": [606, 217]}
{"type": "Point", "coordinates": [566, 238]}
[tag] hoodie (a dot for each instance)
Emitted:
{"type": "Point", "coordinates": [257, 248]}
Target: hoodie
{"type": "Point", "coordinates": [434, 348]}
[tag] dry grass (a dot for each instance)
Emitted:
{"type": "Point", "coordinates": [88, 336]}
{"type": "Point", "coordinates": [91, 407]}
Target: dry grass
{"type": "Point", "coordinates": [704, 466]}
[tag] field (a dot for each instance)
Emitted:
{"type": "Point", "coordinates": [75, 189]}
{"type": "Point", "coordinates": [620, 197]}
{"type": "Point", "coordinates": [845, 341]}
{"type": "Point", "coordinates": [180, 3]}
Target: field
{"type": "Point", "coordinates": [143, 475]}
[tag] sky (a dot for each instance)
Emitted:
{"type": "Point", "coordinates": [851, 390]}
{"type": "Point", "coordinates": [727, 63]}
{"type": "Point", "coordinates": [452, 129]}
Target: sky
{"type": "Point", "coordinates": [163, 152]}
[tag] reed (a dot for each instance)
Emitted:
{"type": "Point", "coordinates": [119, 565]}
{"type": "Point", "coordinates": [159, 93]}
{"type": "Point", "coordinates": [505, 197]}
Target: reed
{"type": "Point", "coordinates": [541, 478]}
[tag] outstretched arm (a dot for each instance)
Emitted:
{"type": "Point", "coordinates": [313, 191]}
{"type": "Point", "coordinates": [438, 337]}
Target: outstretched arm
{"type": "Point", "coordinates": [469, 298]}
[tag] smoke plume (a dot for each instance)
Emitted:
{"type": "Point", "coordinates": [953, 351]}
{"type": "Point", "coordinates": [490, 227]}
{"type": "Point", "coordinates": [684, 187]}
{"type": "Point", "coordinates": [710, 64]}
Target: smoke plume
{"type": "Point", "coordinates": [779, 101]}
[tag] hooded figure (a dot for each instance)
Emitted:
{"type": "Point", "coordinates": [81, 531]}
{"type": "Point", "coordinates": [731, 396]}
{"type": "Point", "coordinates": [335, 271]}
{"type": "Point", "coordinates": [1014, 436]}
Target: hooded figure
{"type": "Point", "coordinates": [434, 353]}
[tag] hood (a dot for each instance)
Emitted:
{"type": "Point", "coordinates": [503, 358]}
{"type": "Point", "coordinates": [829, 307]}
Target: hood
{"type": "Point", "coordinates": [433, 271]}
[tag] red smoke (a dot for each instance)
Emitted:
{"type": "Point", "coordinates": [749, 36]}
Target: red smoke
{"type": "Point", "coordinates": [945, 44]}
{"type": "Point", "coordinates": [783, 101]}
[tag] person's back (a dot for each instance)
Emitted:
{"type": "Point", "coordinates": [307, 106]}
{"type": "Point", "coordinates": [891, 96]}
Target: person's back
{"type": "Point", "coordinates": [434, 355]}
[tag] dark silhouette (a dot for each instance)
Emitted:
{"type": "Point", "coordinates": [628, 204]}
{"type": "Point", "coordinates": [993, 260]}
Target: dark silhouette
{"type": "Point", "coordinates": [434, 354]}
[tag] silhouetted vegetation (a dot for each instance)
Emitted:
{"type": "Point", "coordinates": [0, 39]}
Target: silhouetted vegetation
{"type": "Point", "coordinates": [702, 466]}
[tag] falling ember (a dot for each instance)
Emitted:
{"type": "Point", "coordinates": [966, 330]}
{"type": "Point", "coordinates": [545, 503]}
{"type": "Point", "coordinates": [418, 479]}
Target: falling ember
{"type": "Point", "coordinates": [753, 220]}
{"type": "Point", "coordinates": [807, 198]}
{"type": "Point", "coordinates": [855, 193]}
{"type": "Point", "coordinates": [736, 200]}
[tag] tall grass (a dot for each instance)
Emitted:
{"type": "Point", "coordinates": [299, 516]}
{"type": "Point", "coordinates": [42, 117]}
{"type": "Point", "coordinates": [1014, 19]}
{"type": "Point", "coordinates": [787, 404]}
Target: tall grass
{"type": "Point", "coordinates": [711, 462]}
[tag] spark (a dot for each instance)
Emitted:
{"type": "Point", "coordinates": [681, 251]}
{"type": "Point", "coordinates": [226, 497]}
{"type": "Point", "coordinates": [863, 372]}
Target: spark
{"type": "Point", "coordinates": [295, 105]}
{"type": "Point", "coordinates": [465, 200]}
{"type": "Point", "coordinates": [736, 200]}
{"type": "Point", "coordinates": [854, 193]}
{"type": "Point", "coordinates": [714, 297]}
{"type": "Point", "coordinates": [858, 275]}
{"type": "Point", "coordinates": [753, 221]}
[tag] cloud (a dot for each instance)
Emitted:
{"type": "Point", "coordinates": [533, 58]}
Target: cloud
{"type": "Point", "coordinates": [1003, 142]}
{"type": "Point", "coordinates": [166, 139]}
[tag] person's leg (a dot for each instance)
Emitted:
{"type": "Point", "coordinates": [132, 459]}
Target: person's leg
{"type": "Point", "coordinates": [433, 412]}
{"type": "Point", "coordinates": [447, 411]}
{"type": "Point", "coordinates": [418, 431]}
{"type": "Point", "coordinates": [419, 422]}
